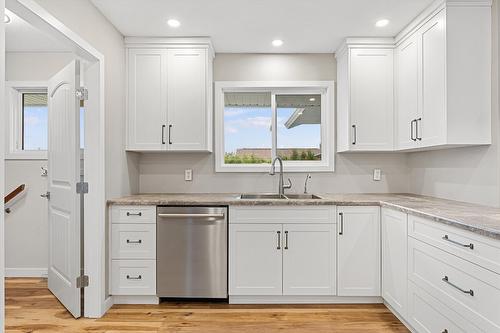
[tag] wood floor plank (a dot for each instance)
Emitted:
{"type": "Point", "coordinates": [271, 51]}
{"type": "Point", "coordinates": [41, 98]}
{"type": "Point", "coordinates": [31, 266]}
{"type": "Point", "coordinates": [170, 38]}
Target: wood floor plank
{"type": "Point", "coordinates": [30, 307]}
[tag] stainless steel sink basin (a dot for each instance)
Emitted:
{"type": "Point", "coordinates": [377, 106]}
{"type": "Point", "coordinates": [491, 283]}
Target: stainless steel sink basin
{"type": "Point", "coordinates": [277, 196]}
{"type": "Point", "coordinates": [302, 196]}
{"type": "Point", "coordinates": [262, 196]}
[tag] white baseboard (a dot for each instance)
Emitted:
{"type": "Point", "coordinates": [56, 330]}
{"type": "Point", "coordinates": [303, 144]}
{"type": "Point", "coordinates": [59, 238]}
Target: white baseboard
{"type": "Point", "coordinates": [26, 272]}
{"type": "Point", "coordinates": [303, 300]}
{"type": "Point", "coordinates": [136, 300]}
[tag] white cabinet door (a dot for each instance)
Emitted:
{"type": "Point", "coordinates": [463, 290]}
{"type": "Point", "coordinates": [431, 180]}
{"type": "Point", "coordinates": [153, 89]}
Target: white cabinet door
{"type": "Point", "coordinates": [407, 93]}
{"type": "Point", "coordinates": [358, 251]}
{"type": "Point", "coordinates": [394, 259]}
{"type": "Point", "coordinates": [309, 259]}
{"type": "Point", "coordinates": [147, 99]}
{"type": "Point", "coordinates": [187, 99]}
{"type": "Point", "coordinates": [255, 259]}
{"type": "Point", "coordinates": [432, 121]}
{"type": "Point", "coordinates": [371, 99]}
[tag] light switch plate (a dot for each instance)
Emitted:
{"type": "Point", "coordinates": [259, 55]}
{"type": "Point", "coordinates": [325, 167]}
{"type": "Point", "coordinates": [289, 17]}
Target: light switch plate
{"type": "Point", "coordinates": [188, 175]}
{"type": "Point", "coordinates": [377, 174]}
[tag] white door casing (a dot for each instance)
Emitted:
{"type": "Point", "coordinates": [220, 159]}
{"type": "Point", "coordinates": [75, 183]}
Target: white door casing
{"type": "Point", "coordinates": [64, 174]}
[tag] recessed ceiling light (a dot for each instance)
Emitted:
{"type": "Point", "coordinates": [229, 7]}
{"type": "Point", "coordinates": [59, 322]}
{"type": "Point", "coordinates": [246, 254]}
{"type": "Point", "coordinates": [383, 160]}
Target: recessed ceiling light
{"type": "Point", "coordinates": [173, 23]}
{"type": "Point", "coordinates": [277, 42]}
{"type": "Point", "coordinates": [382, 23]}
{"type": "Point", "coordinates": [6, 19]}
{"type": "Point", "coordinates": [312, 99]}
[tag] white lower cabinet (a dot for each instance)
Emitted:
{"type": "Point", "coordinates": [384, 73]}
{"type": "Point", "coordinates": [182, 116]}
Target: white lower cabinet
{"type": "Point", "coordinates": [308, 259]}
{"type": "Point", "coordinates": [255, 259]}
{"type": "Point", "coordinates": [394, 259]}
{"type": "Point", "coordinates": [274, 259]}
{"type": "Point", "coordinates": [358, 251]}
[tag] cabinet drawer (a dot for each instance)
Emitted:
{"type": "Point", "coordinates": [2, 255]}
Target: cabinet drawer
{"type": "Point", "coordinates": [427, 314]}
{"type": "Point", "coordinates": [133, 241]}
{"type": "Point", "coordinates": [133, 214]}
{"type": "Point", "coordinates": [475, 248]}
{"type": "Point", "coordinates": [133, 277]}
{"type": "Point", "coordinates": [470, 290]}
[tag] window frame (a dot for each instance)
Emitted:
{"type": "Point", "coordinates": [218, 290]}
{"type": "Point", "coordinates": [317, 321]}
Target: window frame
{"type": "Point", "coordinates": [323, 88]}
{"type": "Point", "coordinates": [14, 122]}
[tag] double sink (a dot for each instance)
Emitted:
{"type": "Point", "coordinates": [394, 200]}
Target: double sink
{"type": "Point", "coordinates": [279, 196]}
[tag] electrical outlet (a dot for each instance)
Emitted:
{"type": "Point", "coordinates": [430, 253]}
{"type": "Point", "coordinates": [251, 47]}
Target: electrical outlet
{"type": "Point", "coordinates": [377, 174]}
{"type": "Point", "coordinates": [188, 175]}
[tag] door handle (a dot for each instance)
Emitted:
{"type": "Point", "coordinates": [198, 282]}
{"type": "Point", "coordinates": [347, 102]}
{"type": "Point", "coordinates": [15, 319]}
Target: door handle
{"type": "Point", "coordinates": [354, 134]}
{"type": "Point", "coordinates": [286, 240]}
{"type": "Point", "coordinates": [46, 195]}
{"type": "Point", "coordinates": [279, 240]}
{"type": "Point", "coordinates": [341, 230]}
{"type": "Point", "coordinates": [162, 134]}
{"type": "Point", "coordinates": [416, 129]}
{"type": "Point", "coordinates": [170, 134]}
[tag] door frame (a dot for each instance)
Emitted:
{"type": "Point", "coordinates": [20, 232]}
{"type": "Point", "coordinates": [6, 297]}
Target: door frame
{"type": "Point", "coordinates": [96, 301]}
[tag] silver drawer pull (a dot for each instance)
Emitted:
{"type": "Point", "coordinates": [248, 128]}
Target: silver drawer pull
{"type": "Point", "coordinates": [134, 214]}
{"type": "Point", "coordinates": [139, 241]}
{"type": "Point", "coordinates": [139, 277]}
{"type": "Point", "coordinates": [220, 216]}
{"type": "Point", "coordinates": [470, 246]}
{"type": "Point", "coordinates": [470, 291]}
{"type": "Point", "coordinates": [445, 330]}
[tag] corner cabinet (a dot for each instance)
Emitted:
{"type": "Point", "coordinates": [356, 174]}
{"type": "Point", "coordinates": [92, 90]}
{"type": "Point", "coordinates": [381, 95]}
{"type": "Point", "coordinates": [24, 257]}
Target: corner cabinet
{"type": "Point", "coordinates": [169, 94]}
{"type": "Point", "coordinates": [365, 97]}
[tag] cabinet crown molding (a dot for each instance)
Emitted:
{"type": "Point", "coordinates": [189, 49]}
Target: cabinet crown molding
{"type": "Point", "coordinates": [170, 42]}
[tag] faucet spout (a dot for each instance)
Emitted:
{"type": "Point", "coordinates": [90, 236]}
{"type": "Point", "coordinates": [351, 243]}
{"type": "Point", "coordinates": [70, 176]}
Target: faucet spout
{"type": "Point", "coordinates": [281, 185]}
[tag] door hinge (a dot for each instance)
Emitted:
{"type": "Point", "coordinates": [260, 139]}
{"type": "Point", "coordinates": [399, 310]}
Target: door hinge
{"type": "Point", "coordinates": [82, 281]}
{"type": "Point", "coordinates": [82, 187]}
{"type": "Point", "coordinates": [82, 94]}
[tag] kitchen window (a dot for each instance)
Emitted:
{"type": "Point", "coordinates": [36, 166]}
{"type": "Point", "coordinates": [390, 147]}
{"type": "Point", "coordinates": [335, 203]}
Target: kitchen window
{"type": "Point", "coordinates": [257, 121]}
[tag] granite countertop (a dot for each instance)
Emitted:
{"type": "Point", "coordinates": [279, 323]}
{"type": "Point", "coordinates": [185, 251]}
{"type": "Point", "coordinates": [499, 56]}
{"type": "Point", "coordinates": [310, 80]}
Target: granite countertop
{"type": "Point", "coordinates": [479, 219]}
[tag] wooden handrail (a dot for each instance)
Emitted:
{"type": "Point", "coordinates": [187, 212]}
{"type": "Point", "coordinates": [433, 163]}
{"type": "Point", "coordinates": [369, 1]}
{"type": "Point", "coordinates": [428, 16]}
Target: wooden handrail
{"type": "Point", "coordinates": [14, 193]}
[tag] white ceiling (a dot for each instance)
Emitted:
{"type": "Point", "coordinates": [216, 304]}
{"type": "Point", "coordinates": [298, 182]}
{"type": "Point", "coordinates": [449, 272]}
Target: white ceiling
{"type": "Point", "coordinates": [20, 36]}
{"type": "Point", "coordinates": [306, 26]}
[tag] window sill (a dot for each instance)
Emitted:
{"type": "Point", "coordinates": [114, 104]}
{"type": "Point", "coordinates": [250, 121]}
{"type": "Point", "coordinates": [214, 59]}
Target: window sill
{"type": "Point", "coordinates": [26, 155]}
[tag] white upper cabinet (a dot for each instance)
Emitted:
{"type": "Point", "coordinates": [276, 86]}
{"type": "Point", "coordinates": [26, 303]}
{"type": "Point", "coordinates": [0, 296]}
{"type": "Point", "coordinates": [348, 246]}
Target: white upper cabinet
{"type": "Point", "coordinates": [147, 109]}
{"type": "Point", "coordinates": [169, 94]}
{"type": "Point", "coordinates": [443, 78]}
{"type": "Point", "coordinates": [358, 251]}
{"type": "Point", "coordinates": [365, 103]}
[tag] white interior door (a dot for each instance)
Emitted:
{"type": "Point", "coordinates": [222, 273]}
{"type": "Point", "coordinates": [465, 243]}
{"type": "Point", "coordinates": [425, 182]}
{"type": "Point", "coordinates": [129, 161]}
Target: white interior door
{"type": "Point", "coordinates": [64, 174]}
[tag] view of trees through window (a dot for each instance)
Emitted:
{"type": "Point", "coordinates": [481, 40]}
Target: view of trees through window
{"type": "Point", "coordinates": [248, 119]}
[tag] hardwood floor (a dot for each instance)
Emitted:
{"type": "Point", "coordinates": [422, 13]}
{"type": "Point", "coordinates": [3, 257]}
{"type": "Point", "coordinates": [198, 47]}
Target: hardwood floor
{"type": "Point", "coordinates": [30, 307]}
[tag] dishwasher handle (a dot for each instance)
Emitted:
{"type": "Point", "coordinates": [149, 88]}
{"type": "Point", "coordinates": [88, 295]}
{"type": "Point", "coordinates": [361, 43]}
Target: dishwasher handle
{"type": "Point", "coordinates": [192, 215]}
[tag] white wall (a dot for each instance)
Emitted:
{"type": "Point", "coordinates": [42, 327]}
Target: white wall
{"type": "Point", "coordinates": [2, 170]}
{"type": "Point", "coordinates": [84, 19]}
{"type": "Point", "coordinates": [26, 227]}
{"type": "Point", "coordinates": [353, 172]}
{"type": "Point", "coordinates": [465, 174]}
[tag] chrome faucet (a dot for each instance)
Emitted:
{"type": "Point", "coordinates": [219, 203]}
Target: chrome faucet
{"type": "Point", "coordinates": [305, 183]}
{"type": "Point", "coordinates": [281, 185]}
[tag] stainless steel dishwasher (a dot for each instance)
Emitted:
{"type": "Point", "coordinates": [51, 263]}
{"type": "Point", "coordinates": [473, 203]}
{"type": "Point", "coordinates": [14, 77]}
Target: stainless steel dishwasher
{"type": "Point", "coordinates": [191, 252]}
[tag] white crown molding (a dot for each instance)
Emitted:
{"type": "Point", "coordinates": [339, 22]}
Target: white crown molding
{"type": "Point", "coordinates": [166, 42]}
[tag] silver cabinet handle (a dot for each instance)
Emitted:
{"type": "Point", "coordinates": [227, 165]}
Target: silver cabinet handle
{"type": "Point", "coordinates": [416, 129]}
{"type": "Point", "coordinates": [134, 214]}
{"type": "Point", "coordinates": [341, 229]}
{"type": "Point", "coordinates": [139, 277]}
{"type": "Point", "coordinates": [447, 280]}
{"type": "Point", "coordinates": [279, 240]}
{"type": "Point", "coordinates": [162, 134]}
{"type": "Point", "coordinates": [139, 241]}
{"type": "Point", "coordinates": [286, 240]}
{"type": "Point", "coordinates": [354, 134]}
{"type": "Point", "coordinates": [220, 216]}
{"type": "Point", "coordinates": [445, 331]}
{"type": "Point", "coordinates": [412, 133]}
{"type": "Point", "coordinates": [46, 195]}
{"type": "Point", "coordinates": [446, 238]}
{"type": "Point", "coordinates": [170, 134]}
